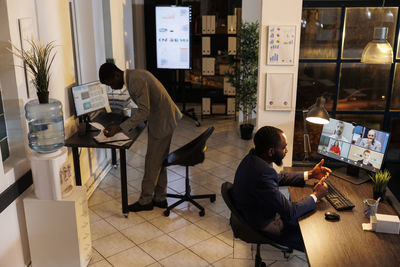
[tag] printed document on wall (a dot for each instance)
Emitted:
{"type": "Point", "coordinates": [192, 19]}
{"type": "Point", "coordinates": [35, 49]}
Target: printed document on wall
{"type": "Point", "coordinates": [281, 40]}
{"type": "Point", "coordinates": [278, 91]}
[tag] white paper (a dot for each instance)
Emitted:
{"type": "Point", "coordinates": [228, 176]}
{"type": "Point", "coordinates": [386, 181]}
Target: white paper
{"type": "Point", "coordinates": [367, 227]}
{"type": "Point", "coordinates": [97, 125]}
{"type": "Point", "coordinates": [101, 138]}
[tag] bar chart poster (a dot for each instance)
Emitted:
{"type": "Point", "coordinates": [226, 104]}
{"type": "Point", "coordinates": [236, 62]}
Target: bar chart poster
{"type": "Point", "coordinates": [281, 40]}
{"type": "Point", "coordinates": [173, 37]}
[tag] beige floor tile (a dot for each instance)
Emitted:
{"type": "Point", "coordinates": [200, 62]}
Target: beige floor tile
{"type": "Point", "coordinates": [191, 212]}
{"type": "Point", "coordinates": [100, 229]}
{"type": "Point", "coordinates": [226, 237]}
{"type": "Point", "coordinates": [293, 262]}
{"type": "Point", "coordinates": [115, 191]}
{"type": "Point", "coordinates": [177, 185]}
{"type": "Point", "coordinates": [203, 177]}
{"type": "Point", "coordinates": [173, 176]}
{"type": "Point", "coordinates": [230, 262]}
{"type": "Point", "coordinates": [108, 208]}
{"type": "Point", "coordinates": [98, 197]}
{"type": "Point", "coordinates": [136, 183]}
{"type": "Point", "coordinates": [110, 180]}
{"type": "Point", "coordinates": [151, 214]}
{"type": "Point", "coordinates": [93, 217]}
{"type": "Point", "coordinates": [171, 223]}
{"type": "Point", "coordinates": [142, 232]}
{"type": "Point", "coordinates": [96, 257]}
{"type": "Point", "coordinates": [120, 222]}
{"type": "Point", "coordinates": [112, 244]}
{"type": "Point", "coordinates": [212, 249]}
{"type": "Point", "coordinates": [242, 250]}
{"type": "Point", "coordinates": [214, 224]}
{"type": "Point", "coordinates": [184, 258]}
{"type": "Point", "coordinates": [222, 172]}
{"type": "Point", "coordinates": [156, 264]}
{"type": "Point", "coordinates": [131, 257]}
{"type": "Point", "coordinates": [102, 263]}
{"type": "Point", "coordinates": [190, 235]}
{"type": "Point", "coordinates": [161, 247]}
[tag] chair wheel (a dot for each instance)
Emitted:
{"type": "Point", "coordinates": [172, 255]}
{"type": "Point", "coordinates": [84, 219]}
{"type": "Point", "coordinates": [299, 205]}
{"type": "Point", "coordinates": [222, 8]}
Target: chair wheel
{"type": "Point", "coordinates": [202, 213]}
{"type": "Point", "coordinates": [126, 215]}
{"type": "Point", "coordinates": [197, 124]}
{"type": "Point", "coordinates": [166, 213]}
{"type": "Point", "coordinates": [263, 264]}
{"type": "Point", "coordinates": [212, 198]}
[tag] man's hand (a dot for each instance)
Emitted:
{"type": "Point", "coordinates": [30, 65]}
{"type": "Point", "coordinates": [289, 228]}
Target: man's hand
{"type": "Point", "coordinates": [319, 171]}
{"type": "Point", "coordinates": [321, 189]}
{"type": "Point", "coordinates": [111, 130]}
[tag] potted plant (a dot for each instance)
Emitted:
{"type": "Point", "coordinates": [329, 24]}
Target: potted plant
{"type": "Point", "coordinates": [43, 115]}
{"type": "Point", "coordinates": [243, 74]}
{"type": "Point", "coordinates": [380, 180]}
{"type": "Point", "coordinates": [38, 60]}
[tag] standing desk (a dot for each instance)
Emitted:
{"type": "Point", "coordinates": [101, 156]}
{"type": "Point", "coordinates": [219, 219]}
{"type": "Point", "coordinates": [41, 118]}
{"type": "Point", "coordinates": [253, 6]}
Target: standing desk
{"type": "Point", "coordinates": [344, 243]}
{"type": "Point", "coordinates": [76, 141]}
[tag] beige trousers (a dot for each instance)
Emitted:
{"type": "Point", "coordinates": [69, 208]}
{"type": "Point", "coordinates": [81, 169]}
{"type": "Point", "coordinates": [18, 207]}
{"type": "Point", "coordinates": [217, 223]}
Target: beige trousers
{"type": "Point", "coordinates": [154, 183]}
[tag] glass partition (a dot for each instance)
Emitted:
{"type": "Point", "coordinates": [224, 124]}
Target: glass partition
{"type": "Point", "coordinates": [395, 101]}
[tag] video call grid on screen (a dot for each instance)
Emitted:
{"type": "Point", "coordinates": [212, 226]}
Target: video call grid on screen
{"type": "Point", "coordinates": [357, 145]}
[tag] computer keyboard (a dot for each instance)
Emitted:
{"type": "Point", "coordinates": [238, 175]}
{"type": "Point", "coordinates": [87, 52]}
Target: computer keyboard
{"type": "Point", "coordinates": [337, 199]}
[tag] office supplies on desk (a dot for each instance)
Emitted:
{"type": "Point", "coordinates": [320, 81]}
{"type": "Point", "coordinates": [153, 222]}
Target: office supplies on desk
{"type": "Point", "coordinates": [383, 223]}
{"type": "Point", "coordinates": [370, 207]}
{"type": "Point", "coordinates": [101, 138]}
{"type": "Point", "coordinates": [332, 216]}
{"type": "Point", "coordinates": [337, 199]}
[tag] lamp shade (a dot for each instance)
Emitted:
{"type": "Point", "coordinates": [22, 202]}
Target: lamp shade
{"type": "Point", "coordinates": [318, 114]}
{"type": "Point", "coordinates": [378, 51]}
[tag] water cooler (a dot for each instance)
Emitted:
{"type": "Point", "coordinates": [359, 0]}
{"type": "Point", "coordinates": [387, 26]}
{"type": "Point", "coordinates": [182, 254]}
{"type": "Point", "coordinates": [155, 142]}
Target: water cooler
{"type": "Point", "coordinates": [51, 174]}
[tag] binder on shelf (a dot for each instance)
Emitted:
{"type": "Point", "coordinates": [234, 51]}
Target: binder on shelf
{"type": "Point", "coordinates": [218, 108]}
{"type": "Point", "coordinates": [206, 45]}
{"type": "Point", "coordinates": [208, 67]}
{"type": "Point", "coordinates": [231, 45]}
{"type": "Point", "coordinates": [204, 69]}
{"type": "Point", "coordinates": [211, 65]}
{"type": "Point", "coordinates": [228, 88]}
{"type": "Point", "coordinates": [212, 24]}
{"type": "Point", "coordinates": [208, 28]}
{"type": "Point", "coordinates": [230, 106]}
{"type": "Point", "coordinates": [206, 106]}
{"type": "Point", "coordinates": [231, 24]}
{"type": "Point", "coordinates": [204, 24]}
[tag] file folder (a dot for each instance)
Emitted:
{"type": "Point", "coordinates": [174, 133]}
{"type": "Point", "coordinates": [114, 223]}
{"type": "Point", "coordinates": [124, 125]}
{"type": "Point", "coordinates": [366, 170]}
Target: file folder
{"type": "Point", "coordinates": [231, 24]}
{"type": "Point", "coordinates": [206, 106]}
{"type": "Point", "coordinates": [212, 24]}
{"type": "Point", "coordinates": [206, 45]}
{"type": "Point", "coordinates": [230, 103]}
{"type": "Point", "coordinates": [204, 24]}
{"type": "Point", "coordinates": [231, 45]}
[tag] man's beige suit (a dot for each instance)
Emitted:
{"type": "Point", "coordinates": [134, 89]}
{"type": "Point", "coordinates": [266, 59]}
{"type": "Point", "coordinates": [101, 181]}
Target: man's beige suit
{"type": "Point", "coordinates": [155, 105]}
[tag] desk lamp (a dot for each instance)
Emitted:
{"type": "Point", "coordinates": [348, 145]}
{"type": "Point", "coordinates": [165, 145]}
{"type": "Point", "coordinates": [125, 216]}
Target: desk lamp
{"type": "Point", "coordinates": [315, 114]}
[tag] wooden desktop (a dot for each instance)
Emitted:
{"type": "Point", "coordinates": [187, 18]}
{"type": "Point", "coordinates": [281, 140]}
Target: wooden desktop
{"type": "Point", "coordinates": [344, 243]}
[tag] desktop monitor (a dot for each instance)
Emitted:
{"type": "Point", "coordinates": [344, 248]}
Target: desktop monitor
{"type": "Point", "coordinates": [173, 37]}
{"type": "Point", "coordinates": [89, 97]}
{"type": "Point", "coordinates": [361, 148]}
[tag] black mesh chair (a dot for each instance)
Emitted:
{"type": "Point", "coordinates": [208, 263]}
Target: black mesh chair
{"type": "Point", "coordinates": [242, 230]}
{"type": "Point", "coordinates": [189, 155]}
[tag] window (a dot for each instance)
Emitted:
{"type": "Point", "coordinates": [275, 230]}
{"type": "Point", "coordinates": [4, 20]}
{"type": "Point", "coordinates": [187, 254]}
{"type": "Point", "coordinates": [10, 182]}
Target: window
{"type": "Point", "coordinates": [5, 153]}
{"type": "Point", "coordinates": [332, 40]}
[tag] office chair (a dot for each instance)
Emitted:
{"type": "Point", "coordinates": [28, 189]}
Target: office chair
{"type": "Point", "coordinates": [242, 230]}
{"type": "Point", "coordinates": [189, 155]}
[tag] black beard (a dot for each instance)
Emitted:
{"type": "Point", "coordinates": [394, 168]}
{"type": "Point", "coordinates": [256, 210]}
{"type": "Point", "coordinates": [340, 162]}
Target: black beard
{"type": "Point", "coordinates": [277, 160]}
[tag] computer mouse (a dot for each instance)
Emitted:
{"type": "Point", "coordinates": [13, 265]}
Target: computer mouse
{"type": "Point", "coordinates": [332, 216]}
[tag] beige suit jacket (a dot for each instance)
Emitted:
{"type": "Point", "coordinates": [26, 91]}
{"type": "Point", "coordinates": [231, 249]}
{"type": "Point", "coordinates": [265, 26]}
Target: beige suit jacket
{"type": "Point", "coordinates": [154, 104]}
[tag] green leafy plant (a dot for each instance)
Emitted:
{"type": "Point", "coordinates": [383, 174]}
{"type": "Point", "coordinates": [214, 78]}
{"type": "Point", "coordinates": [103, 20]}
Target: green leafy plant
{"type": "Point", "coordinates": [38, 60]}
{"type": "Point", "coordinates": [243, 72]}
{"type": "Point", "coordinates": [380, 180]}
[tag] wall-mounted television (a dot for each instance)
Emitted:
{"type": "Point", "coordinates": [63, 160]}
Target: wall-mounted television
{"type": "Point", "coordinates": [173, 37]}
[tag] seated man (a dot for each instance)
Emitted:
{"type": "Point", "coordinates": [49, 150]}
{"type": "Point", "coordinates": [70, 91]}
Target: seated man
{"type": "Point", "coordinates": [256, 192]}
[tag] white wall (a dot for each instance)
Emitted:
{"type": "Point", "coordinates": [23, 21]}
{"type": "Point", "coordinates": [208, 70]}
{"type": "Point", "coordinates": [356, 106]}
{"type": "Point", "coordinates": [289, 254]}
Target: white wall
{"type": "Point", "coordinates": [283, 12]}
{"type": "Point", "coordinates": [251, 10]}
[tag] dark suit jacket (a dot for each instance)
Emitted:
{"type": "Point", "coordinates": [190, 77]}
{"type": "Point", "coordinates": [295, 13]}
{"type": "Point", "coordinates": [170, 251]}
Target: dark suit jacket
{"type": "Point", "coordinates": [154, 104]}
{"type": "Point", "coordinates": [257, 197]}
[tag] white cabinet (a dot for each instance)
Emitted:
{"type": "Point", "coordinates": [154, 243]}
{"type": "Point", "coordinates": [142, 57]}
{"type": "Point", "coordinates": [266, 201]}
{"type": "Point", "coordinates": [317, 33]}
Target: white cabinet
{"type": "Point", "coordinates": [59, 230]}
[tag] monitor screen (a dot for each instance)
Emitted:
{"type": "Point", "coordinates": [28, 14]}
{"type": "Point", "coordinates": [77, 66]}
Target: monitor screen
{"type": "Point", "coordinates": [354, 144]}
{"type": "Point", "coordinates": [173, 37]}
{"type": "Point", "coordinates": [89, 97]}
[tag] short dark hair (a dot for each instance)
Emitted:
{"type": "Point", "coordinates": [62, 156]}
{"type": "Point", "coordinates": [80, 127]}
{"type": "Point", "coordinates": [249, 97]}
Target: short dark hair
{"type": "Point", "coordinates": [265, 138]}
{"type": "Point", "coordinates": [107, 71]}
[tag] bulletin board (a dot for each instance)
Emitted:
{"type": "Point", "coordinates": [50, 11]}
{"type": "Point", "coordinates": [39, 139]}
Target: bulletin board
{"type": "Point", "coordinates": [281, 40]}
{"type": "Point", "coordinates": [278, 91]}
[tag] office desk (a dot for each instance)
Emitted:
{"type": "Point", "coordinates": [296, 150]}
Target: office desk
{"type": "Point", "coordinates": [76, 141]}
{"type": "Point", "coordinates": [344, 243]}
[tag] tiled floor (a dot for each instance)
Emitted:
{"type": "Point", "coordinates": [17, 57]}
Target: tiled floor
{"type": "Point", "coordinates": [184, 238]}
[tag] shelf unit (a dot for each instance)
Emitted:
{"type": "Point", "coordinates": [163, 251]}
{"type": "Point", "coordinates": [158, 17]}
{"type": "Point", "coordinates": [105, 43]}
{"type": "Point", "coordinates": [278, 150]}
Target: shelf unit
{"type": "Point", "coordinates": [59, 230]}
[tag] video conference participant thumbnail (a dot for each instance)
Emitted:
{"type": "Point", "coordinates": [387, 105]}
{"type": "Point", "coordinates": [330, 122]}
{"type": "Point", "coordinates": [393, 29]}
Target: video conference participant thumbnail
{"type": "Point", "coordinates": [339, 130]}
{"type": "Point", "coordinates": [370, 139]}
{"type": "Point", "coordinates": [365, 158]}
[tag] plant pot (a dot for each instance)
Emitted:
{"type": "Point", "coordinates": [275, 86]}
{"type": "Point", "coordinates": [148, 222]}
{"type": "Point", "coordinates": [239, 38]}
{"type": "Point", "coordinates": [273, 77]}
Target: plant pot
{"type": "Point", "coordinates": [379, 194]}
{"type": "Point", "coordinates": [43, 97]}
{"type": "Point", "coordinates": [246, 131]}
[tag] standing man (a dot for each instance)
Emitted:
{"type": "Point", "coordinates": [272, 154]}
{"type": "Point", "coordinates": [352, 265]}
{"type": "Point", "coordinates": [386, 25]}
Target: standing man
{"type": "Point", "coordinates": [156, 106]}
{"type": "Point", "coordinates": [256, 192]}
